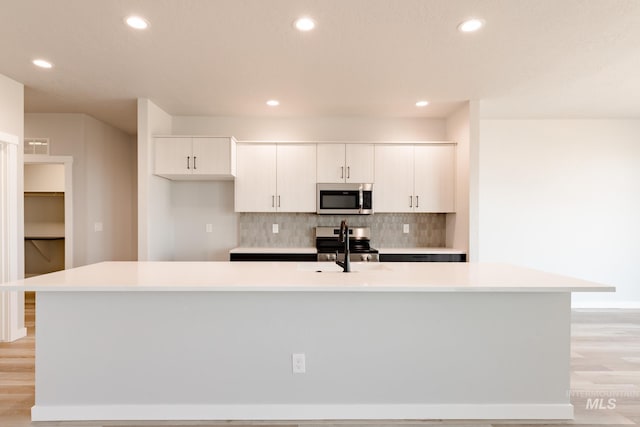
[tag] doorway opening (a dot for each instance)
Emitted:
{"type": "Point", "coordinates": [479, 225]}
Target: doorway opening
{"type": "Point", "coordinates": [48, 216]}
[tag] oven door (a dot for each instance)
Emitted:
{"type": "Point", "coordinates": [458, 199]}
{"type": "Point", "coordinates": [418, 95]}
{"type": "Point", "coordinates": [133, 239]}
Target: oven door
{"type": "Point", "coordinates": [347, 199]}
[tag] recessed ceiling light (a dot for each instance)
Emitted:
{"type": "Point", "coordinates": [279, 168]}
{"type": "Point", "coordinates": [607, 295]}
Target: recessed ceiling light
{"type": "Point", "coordinates": [273, 103]}
{"type": "Point", "coordinates": [470, 25]}
{"type": "Point", "coordinates": [42, 63]}
{"type": "Point", "coordinates": [422, 103]}
{"type": "Point", "coordinates": [137, 22]}
{"type": "Point", "coordinates": [305, 24]}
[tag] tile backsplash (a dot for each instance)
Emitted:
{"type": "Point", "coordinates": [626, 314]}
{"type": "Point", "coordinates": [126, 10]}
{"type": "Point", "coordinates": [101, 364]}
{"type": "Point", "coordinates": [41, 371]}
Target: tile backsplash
{"type": "Point", "coordinates": [297, 229]}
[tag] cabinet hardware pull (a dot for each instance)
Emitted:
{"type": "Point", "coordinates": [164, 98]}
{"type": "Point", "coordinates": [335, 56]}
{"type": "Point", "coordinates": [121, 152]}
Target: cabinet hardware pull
{"type": "Point", "coordinates": [278, 201]}
{"type": "Point", "coordinates": [188, 157]}
{"type": "Point", "coordinates": [341, 172]}
{"type": "Point", "coordinates": [273, 201]}
{"type": "Point", "coordinates": [348, 172]}
{"type": "Point", "coordinates": [417, 201]}
{"type": "Point", "coordinates": [194, 162]}
{"type": "Point", "coordinates": [410, 201]}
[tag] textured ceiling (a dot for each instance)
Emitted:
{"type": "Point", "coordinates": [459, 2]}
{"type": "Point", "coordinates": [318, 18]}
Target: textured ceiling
{"type": "Point", "coordinates": [534, 58]}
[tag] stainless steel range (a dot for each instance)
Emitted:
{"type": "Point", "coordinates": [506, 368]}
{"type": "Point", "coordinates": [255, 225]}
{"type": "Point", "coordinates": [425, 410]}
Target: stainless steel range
{"type": "Point", "coordinates": [328, 244]}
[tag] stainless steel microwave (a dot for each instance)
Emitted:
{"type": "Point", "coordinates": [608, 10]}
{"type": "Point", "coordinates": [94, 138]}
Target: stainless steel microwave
{"type": "Point", "coordinates": [347, 199]}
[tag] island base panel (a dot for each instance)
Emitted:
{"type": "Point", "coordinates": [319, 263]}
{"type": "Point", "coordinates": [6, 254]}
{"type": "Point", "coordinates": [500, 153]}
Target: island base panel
{"type": "Point", "coordinates": [227, 355]}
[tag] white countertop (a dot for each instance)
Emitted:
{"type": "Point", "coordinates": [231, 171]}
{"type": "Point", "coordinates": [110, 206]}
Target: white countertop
{"type": "Point", "coordinates": [420, 251]}
{"type": "Point", "coordinates": [272, 250]}
{"type": "Point", "coordinates": [302, 277]}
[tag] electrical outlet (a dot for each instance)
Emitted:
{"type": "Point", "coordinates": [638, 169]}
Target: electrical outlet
{"type": "Point", "coordinates": [209, 228]}
{"type": "Point", "coordinates": [298, 363]}
{"type": "Point", "coordinates": [274, 228]}
{"type": "Point", "coordinates": [97, 226]}
{"type": "Point", "coordinates": [405, 228]}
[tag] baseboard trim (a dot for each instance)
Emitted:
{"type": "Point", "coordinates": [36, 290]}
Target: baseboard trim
{"type": "Point", "coordinates": [563, 411]}
{"type": "Point", "coordinates": [16, 334]}
{"type": "Point", "coordinates": [19, 333]}
{"type": "Point", "coordinates": [606, 304]}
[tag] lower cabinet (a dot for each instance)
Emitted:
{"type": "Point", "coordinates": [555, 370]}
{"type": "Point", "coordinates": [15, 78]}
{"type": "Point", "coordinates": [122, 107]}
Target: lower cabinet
{"type": "Point", "coordinates": [290, 257]}
{"type": "Point", "coordinates": [423, 257]}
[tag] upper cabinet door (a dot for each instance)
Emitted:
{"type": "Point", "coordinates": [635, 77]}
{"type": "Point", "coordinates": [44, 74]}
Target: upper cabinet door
{"type": "Point", "coordinates": [331, 167]}
{"type": "Point", "coordinates": [435, 178]}
{"type": "Point", "coordinates": [393, 189]}
{"type": "Point", "coordinates": [173, 156]}
{"type": "Point", "coordinates": [345, 163]}
{"type": "Point", "coordinates": [359, 163]}
{"type": "Point", "coordinates": [255, 186]}
{"type": "Point", "coordinates": [213, 156]}
{"type": "Point", "coordinates": [296, 182]}
{"type": "Point", "coordinates": [195, 158]}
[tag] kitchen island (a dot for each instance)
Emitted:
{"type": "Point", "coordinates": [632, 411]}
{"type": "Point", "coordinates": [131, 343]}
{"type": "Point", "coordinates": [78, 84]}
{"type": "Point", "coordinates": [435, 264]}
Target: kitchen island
{"type": "Point", "coordinates": [197, 341]}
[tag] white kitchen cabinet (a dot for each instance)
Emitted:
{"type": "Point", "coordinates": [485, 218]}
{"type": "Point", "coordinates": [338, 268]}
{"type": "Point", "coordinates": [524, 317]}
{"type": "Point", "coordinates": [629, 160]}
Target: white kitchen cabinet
{"type": "Point", "coordinates": [276, 178]}
{"type": "Point", "coordinates": [393, 189]}
{"type": "Point", "coordinates": [415, 178]}
{"type": "Point", "coordinates": [345, 163]}
{"type": "Point", "coordinates": [331, 162]}
{"type": "Point", "coordinates": [195, 158]}
{"type": "Point", "coordinates": [172, 156]}
{"type": "Point", "coordinates": [434, 182]}
{"type": "Point", "coordinates": [296, 178]}
{"type": "Point", "coordinates": [255, 186]}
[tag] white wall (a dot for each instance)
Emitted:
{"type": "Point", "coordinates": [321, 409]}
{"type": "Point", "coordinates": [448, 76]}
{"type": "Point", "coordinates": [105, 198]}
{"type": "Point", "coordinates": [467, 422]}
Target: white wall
{"type": "Point", "coordinates": [155, 222]}
{"type": "Point", "coordinates": [103, 182]}
{"type": "Point", "coordinates": [195, 204]}
{"type": "Point", "coordinates": [111, 163]}
{"type": "Point", "coordinates": [564, 196]}
{"type": "Point", "coordinates": [12, 122]}
{"type": "Point", "coordinates": [44, 177]}
{"type": "Point", "coordinates": [458, 130]}
{"type": "Point", "coordinates": [313, 129]}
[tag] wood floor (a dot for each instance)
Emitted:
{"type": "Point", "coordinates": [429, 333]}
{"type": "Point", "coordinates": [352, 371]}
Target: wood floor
{"type": "Point", "coordinates": [605, 379]}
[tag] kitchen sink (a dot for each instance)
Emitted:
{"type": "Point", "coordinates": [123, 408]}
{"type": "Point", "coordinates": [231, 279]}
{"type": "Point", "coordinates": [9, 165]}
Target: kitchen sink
{"type": "Point", "coordinates": [331, 267]}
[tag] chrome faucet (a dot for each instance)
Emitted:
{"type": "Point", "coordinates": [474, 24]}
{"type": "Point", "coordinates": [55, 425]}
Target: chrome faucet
{"type": "Point", "coordinates": [343, 237]}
